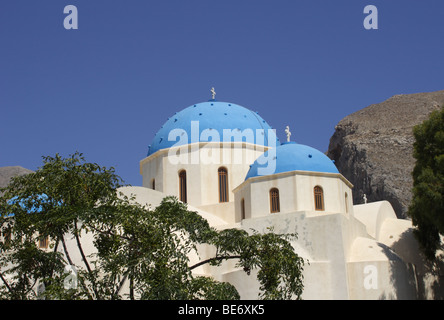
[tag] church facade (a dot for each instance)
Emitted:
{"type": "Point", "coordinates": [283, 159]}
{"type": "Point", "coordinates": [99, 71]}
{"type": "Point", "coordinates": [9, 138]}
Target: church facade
{"type": "Point", "coordinates": [227, 164]}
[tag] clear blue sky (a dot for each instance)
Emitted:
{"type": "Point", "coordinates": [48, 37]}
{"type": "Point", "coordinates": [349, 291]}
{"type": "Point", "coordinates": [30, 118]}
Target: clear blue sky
{"type": "Point", "coordinates": [107, 87]}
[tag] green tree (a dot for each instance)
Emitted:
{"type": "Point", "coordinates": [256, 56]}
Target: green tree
{"type": "Point", "coordinates": [427, 206]}
{"type": "Point", "coordinates": [141, 253]}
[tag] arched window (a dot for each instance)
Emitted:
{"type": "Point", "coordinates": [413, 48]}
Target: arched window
{"type": "Point", "coordinates": [346, 202]}
{"type": "Point", "coordinates": [6, 239]}
{"type": "Point", "coordinates": [183, 186]}
{"type": "Point", "coordinates": [223, 184]}
{"type": "Point", "coordinates": [274, 200]}
{"type": "Point", "coordinates": [242, 208]}
{"type": "Point", "coordinates": [153, 184]}
{"type": "Point", "coordinates": [43, 243]}
{"type": "Point", "coordinates": [319, 198]}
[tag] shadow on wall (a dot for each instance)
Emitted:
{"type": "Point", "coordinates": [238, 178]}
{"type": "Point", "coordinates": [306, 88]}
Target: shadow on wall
{"type": "Point", "coordinates": [429, 274]}
{"type": "Point", "coordinates": [403, 280]}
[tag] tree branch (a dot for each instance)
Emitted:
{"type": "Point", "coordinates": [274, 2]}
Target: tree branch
{"type": "Point", "coordinates": [213, 259]}
{"type": "Point", "coordinates": [62, 238]}
{"type": "Point", "coordinates": [5, 282]}
{"type": "Point", "coordinates": [121, 283]}
{"type": "Point", "coordinates": [79, 245]}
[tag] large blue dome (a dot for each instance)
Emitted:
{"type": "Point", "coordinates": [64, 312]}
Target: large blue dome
{"type": "Point", "coordinates": [212, 115]}
{"type": "Point", "coordinates": [291, 156]}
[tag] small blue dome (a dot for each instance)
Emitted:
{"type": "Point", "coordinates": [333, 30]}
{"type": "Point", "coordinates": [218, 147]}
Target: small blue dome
{"type": "Point", "coordinates": [212, 115]}
{"type": "Point", "coordinates": [24, 203]}
{"type": "Point", "coordinates": [291, 156]}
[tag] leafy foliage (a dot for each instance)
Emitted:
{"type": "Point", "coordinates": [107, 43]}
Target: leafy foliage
{"type": "Point", "coordinates": [427, 206]}
{"type": "Point", "coordinates": [141, 253]}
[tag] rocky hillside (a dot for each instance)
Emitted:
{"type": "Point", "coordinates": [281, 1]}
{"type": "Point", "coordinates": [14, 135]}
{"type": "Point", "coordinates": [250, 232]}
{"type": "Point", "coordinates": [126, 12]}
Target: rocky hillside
{"type": "Point", "coordinates": [373, 147]}
{"type": "Point", "coordinates": [6, 173]}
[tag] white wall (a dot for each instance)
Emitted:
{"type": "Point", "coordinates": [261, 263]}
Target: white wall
{"type": "Point", "coordinates": [373, 215]}
{"type": "Point", "coordinates": [296, 193]}
{"type": "Point", "coordinates": [337, 241]}
{"type": "Point", "coordinates": [376, 272]}
{"type": "Point", "coordinates": [201, 162]}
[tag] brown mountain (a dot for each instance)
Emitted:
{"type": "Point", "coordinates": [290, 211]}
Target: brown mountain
{"type": "Point", "coordinates": [373, 147]}
{"type": "Point", "coordinates": [6, 173]}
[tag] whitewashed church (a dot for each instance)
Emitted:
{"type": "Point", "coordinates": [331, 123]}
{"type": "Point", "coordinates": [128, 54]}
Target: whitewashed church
{"type": "Point", "coordinates": [227, 164]}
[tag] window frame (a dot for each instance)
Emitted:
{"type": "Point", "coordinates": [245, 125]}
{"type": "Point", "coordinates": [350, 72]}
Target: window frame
{"type": "Point", "coordinates": [242, 205]}
{"type": "Point", "coordinates": [318, 192]}
{"type": "Point", "coordinates": [183, 186]}
{"type": "Point", "coordinates": [275, 205]}
{"type": "Point", "coordinates": [222, 178]}
{"type": "Point", "coordinates": [43, 242]}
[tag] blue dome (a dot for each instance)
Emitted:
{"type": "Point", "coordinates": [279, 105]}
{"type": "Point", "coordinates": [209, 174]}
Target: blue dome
{"type": "Point", "coordinates": [291, 156]}
{"type": "Point", "coordinates": [23, 203]}
{"type": "Point", "coordinates": [212, 115]}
